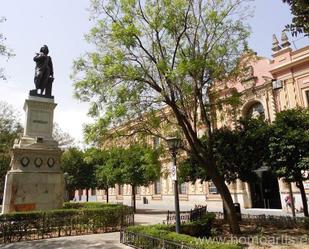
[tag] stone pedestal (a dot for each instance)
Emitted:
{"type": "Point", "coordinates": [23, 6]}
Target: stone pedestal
{"type": "Point", "coordinates": [35, 181]}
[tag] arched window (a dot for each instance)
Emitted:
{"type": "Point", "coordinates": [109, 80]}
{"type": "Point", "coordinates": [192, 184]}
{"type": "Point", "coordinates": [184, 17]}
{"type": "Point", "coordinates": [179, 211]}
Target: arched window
{"type": "Point", "coordinates": [255, 110]}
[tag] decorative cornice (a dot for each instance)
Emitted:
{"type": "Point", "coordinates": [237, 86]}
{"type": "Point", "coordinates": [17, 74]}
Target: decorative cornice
{"type": "Point", "coordinates": [289, 65]}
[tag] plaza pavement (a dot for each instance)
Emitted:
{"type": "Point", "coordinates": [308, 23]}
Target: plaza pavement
{"type": "Point", "coordinates": [147, 216]}
{"type": "Point", "coordinates": [93, 241]}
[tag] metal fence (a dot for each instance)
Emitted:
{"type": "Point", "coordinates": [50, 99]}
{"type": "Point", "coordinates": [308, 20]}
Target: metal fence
{"type": "Point", "coordinates": [266, 220]}
{"type": "Point", "coordinates": [137, 240]}
{"type": "Point", "coordinates": [186, 216]}
{"type": "Point", "coordinates": [33, 226]}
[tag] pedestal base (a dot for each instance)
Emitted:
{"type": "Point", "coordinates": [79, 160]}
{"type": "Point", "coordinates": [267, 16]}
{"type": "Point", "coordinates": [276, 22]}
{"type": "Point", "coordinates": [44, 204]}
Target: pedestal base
{"type": "Point", "coordinates": [35, 181]}
{"type": "Point", "coordinates": [29, 191]}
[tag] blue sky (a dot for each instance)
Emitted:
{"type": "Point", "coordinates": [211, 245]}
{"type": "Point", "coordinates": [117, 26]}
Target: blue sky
{"type": "Point", "coordinates": [61, 24]}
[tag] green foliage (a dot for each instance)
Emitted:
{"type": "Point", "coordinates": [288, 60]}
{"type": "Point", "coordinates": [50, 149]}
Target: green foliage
{"type": "Point", "coordinates": [140, 165]}
{"type": "Point", "coordinates": [137, 165]}
{"type": "Point", "coordinates": [4, 50]}
{"type": "Point", "coordinates": [164, 232]}
{"type": "Point", "coordinates": [9, 126]}
{"type": "Point", "coordinates": [306, 223]}
{"type": "Point", "coordinates": [105, 176]}
{"type": "Point", "coordinates": [289, 151]}
{"type": "Point", "coordinates": [80, 174]}
{"type": "Point", "coordinates": [108, 170]}
{"type": "Point", "coordinates": [201, 227]}
{"type": "Point", "coordinates": [300, 20]}
{"type": "Point", "coordinates": [233, 152]}
{"type": "Point", "coordinates": [56, 223]}
{"type": "Point", "coordinates": [152, 53]}
{"type": "Point", "coordinates": [9, 131]}
{"type": "Point", "coordinates": [80, 205]}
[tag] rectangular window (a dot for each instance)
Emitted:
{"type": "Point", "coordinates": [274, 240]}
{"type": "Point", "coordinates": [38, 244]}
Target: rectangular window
{"type": "Point", "coordinates": [212, 188]}
{"type": "Point", "coordinates": [182, 188]}
{"type": "Point", "coordinates": [157, 187]}
{"type": "Point", "coordinates": [307, 97]}
{"type": "Point", "coordinates": [93, 192]}
{"type": "Point", "coordinates": [120, 189]}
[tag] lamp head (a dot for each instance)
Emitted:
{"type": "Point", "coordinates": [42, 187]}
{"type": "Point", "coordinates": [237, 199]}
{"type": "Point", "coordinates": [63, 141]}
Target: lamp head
{"type": "Point", "coordinates": [173, 144]}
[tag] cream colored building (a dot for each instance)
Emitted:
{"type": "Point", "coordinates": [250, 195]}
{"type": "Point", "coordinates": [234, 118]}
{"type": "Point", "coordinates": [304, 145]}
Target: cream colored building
{"type": "Point", "coordinates": [270, 85]}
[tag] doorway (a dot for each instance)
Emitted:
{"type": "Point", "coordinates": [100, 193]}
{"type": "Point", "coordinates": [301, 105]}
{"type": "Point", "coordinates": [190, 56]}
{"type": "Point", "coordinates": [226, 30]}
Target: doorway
{"type": "Point", "coordinates": [265, 191]}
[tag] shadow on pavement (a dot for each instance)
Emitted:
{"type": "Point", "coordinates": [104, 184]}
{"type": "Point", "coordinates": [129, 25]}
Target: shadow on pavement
{"type": "Point", "coordinates": [63, 243]}
{"type": "Point", "coordinates": [150, 211]}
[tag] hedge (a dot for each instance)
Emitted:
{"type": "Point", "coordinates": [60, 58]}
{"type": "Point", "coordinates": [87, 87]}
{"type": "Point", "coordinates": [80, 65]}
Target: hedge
{"type": "Point", "coordinates": [166, 232]}
{"type": "Point", "coordinates": [306, 223]}
{"type": "Point", "coordinates": [80, 205]}
{"type": "Point", "coordinates": [63, 222]}
{"type": "Point", "coordinates": [199, 228]}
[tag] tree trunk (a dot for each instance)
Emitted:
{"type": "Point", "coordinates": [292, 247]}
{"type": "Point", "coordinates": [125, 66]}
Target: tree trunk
{"type": "Point", "coordinates": [71, 194]}
{"type": "Point", "coordinates": [228, 204]}
{"type": "Point", "coordinates": [87, 194]}
{"type": "Point", "coordinates": [292, 201]}
{"type": "Point", "coordinates": [106, 193]}
{"type": "Point", "coordinates": [205, 157]}
{"type": "Point", "coordinates": [133, 198]}
{"type": "Point", "coordinates": [300, 185]}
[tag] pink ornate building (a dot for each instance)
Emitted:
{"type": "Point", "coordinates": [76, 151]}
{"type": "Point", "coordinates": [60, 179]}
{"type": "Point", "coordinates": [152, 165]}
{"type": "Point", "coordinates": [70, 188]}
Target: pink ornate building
{"type": "Point", "coordinates": [270, 86]}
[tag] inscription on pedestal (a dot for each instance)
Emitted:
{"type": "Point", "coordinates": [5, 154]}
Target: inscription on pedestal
{"type": "Point", "coordinates": [39, 117]}
{"type": "Point", "coordinates": [39, 121]}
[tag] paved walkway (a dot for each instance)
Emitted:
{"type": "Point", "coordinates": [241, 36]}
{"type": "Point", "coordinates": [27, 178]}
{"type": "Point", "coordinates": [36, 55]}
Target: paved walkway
{"type": "Point", "coordinates": [93, 241]}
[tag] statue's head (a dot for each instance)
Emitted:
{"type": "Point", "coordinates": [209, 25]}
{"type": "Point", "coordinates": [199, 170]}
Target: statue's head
{"type": "Point", "coordinates": [44, 50]}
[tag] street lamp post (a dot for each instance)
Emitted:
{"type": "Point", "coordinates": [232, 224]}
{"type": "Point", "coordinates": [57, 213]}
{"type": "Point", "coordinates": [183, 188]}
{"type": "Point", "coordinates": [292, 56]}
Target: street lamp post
{"type": "Point", "coordinates": [173, 146]}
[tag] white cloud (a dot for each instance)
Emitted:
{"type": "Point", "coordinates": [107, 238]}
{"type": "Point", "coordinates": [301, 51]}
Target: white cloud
{"type": "Point", "coordinates": [72, 121]}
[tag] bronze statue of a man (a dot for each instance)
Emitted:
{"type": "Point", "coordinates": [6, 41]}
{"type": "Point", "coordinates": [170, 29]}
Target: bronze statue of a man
{"type": "Point", "coordinates": [44, 73]}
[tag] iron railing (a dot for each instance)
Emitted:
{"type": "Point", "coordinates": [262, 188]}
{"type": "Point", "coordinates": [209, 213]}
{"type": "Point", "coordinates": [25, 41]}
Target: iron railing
{"type": "Point", "coordinates": [143, 241]}
{"type": "Point", "coordinates": [44, 225]}
{"type": "Point", "coordinates": [282, 221]}
{"type": "Point", "coordinates": [186, 216]}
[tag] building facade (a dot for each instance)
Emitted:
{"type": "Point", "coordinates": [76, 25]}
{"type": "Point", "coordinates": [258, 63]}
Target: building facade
{"type": "Point", "coordinates": [268, 87]}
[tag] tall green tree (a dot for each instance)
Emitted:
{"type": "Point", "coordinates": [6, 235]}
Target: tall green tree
{"type": "Point", "coordinates": [4, 50]}
{"type": "Point", "coordinates": [106, 177]}
{"type": "Point", "coordinates": [140, 167]}
{"type": "Point", "coordinates": [106, 171]}
{"type": "Point", "coordinates": [158, 53]}
{"type": "Point", "coordinates": [80, 174]}
{"type": "Point", "coordinates": [289, 150]}
{"type": "Point", "coordinates": [9, 131]}
{"type": "Point", "coordinates": [300, 20]}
